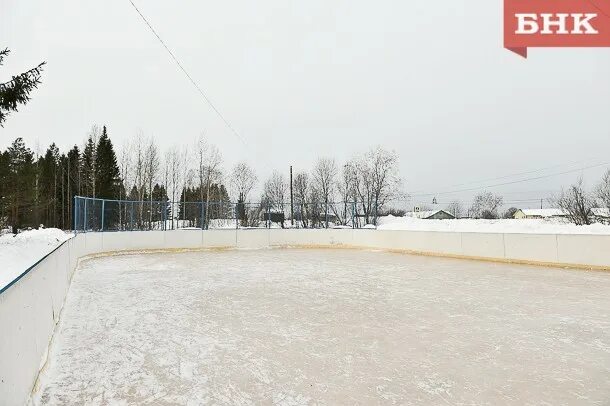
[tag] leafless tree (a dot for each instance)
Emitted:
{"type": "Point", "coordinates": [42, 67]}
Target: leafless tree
{"type": "Point", "coordinates": [603, 191]}
{"type": "Point", "coordinates": [301, 187]}
{"type": "Point", "coordinates": [139, 173]}
{"type": "Point", "coordinates": [275, 190]}
{"type": "Point", "coordinates": [152, 165]}
{"type": "Point", "coordinates": [324, 175]}
{"type": "Point", "coordinates": [174, 162]}
{"type": "Point", "coordinates": [187, 180]}
{"type": "Point", "coordinates": [345, 194]}
{"type": "Point", "coordinates": [243, 180]}
{"type": "Point", "coordinates": [510, 213]}
{"type": "Point", "coordinates": [375, 180]}
{"type": "Point", "coordinates": [455, 207]}
{"type": "Point", "coordinates": [125, 166]}
{"type": "Point", "coordinates": [576, 204]}
{"type": "Point", "coordinates": [486, 205]}
{"type": "Point", "coordinates": [209, 161]}
{"type": "Point", "coordinates": [386, 181]}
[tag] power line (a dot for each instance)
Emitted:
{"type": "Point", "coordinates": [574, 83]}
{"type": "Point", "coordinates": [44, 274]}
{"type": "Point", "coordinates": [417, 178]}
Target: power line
{"type": "Point", "coordinates": [510, 175]}
{"type": "Point", "coordinates": [512, 182]}
{"type": "Point", "coordinates": [190, 78]}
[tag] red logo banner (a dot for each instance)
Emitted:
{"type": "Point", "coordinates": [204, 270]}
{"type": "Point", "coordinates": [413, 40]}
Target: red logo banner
{"type": "Point", "coordinates": [555, 23]}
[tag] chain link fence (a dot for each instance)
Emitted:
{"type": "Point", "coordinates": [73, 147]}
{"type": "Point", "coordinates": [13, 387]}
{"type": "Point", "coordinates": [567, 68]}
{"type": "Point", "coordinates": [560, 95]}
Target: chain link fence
{"type": "Point", "coordinates": [93, 214]}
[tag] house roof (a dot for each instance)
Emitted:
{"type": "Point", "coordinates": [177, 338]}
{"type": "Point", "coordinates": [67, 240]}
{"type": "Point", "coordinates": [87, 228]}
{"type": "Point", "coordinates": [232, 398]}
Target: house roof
{"type": "Point", "coordinates": [425, 214]}
{"type": "Point", "coordinates": [597, 211]}
{"type": "Point", "coordinates": [543, 212]}
{"type": "Point", "coordinates": [601, 211]}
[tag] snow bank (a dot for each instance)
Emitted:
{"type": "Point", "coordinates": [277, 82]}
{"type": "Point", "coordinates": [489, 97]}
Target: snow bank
{"type": "Point", "coordinates": [533, 226]}
{"type": "Point", "coordinates": [19, 252]}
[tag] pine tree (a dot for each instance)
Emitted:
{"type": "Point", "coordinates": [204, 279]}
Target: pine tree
{"type": "Point", "coordinates": [73, 180]}
{"type": "Point", "coordinates": [88, 167]}
{"type": "Point", "coordinates": [19, 185]}
{"type": "Point", "coordinates": [17, 90]}
{"type": "Point", "coordinates": [4, 178]}
{"type": "Point", "coordinates": [48, 167]}
{"type": "Point", "coordinates": [107, 174]}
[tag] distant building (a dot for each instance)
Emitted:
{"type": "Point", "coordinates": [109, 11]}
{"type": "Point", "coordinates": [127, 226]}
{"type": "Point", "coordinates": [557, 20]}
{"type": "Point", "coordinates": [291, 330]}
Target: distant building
{"type": "Point", "coordinates": [601, 214]}
{"type": "Point", "coordinates": [431, 215]}
{"type": "Point", "coordinates": [538, 213]}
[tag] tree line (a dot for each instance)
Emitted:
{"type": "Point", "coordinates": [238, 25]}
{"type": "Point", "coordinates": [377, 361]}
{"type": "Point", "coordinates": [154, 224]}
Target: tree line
{"type": "Point", "coordinates": [39, 188]}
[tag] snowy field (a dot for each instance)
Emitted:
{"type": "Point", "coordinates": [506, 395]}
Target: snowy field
{"type": "Point", "coordinates": [19, 252]}
{"type": "Point", "coordinates": [293, 327]}
{"type": "Point", "coordinates": [535, 226]}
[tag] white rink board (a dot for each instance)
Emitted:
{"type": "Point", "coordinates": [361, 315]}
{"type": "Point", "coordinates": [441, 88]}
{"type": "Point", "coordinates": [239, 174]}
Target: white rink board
{"type": "Point", "coordinates": [30, 308]}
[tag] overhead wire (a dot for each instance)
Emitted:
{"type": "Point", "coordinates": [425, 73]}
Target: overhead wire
{"type": "Point", "coordinates": [186, 73]}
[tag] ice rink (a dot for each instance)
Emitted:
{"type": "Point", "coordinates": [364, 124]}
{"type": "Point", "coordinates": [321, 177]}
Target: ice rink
{"type": "Point", "coordinates": [293, 327]}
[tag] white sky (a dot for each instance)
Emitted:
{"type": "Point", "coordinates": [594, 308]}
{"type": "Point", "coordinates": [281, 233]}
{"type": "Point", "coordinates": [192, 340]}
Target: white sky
{"type": "Point", "coordinates": [303, 79]}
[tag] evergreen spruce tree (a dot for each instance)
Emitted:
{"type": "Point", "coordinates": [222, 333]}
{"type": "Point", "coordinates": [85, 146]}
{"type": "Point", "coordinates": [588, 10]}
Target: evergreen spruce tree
{"type": "Point", "coordinates": [107, 173]}
{"type": "Point", "coordinates": [19, 186]}
{"type": "Point", "coordinates": [17, 90]}
{"type": "Point", "coordinates": [4, 177]}
{"type": "Point", "coordinates": [88, 168]}
{"type": "Point", "coordinates": [47, 185]}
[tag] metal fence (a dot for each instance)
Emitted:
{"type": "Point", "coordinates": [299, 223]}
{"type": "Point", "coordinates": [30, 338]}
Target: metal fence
{"type": "Point", "coordinates": [93, 214]}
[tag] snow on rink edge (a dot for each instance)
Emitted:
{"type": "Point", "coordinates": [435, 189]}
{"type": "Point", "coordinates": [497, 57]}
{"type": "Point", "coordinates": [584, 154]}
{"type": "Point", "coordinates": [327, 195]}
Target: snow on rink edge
{"type": "Point", "coordinates": [21, 251]}
{"type": "Point", "coordinates": [508, 226]}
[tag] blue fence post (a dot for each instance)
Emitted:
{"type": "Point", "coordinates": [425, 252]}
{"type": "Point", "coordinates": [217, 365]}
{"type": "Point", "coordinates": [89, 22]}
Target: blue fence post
{"type": "Point", "coordinates": [131, 217]}
{"type": "Point", "coordinates": [74, 210]}
{"type": "Point", "coordinates": [103, 212]}
{"type": "Point", "coordinates": [85, 217]}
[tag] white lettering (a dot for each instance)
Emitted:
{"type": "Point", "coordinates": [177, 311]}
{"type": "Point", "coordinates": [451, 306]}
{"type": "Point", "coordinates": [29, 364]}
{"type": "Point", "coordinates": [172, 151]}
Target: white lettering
{"type": "Point", "coordinates": [583, 21]}
{"type": "Point", "coordinates": [560, 22]}
{"type": "Point", "coordinates": [527, 24]}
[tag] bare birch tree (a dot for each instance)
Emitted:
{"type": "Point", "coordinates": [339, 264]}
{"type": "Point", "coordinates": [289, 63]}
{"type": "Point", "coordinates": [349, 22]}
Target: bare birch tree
{"type": "Point", "coordinates": [139, 173]}
{"type": "Point", "coordinates": [455, 207]}
{"type": "Point", "coordinates": [301, 187]}
{"type": "Point", "coordinates": [325, 174]}
{"type": "Point", "coordinates": [152, 165]}
{"type": "Point", "coordinates": [275, 190]}
{"type": "Point", "coordinates": [576, 204]}
{"type": "Point", "coordinates": [125, 164]}
{"type": "Point", "coordinates": [603, 191]}
{"type": "Point", "coordinates": [485, 205]}
{"type": "Point", "coordinates": [174, 172]}
{"type": "Point", "coordinates": [243, 180]}
{"type": "Point", "coordinates": [375, 181]}
{"type": "Point", "coordinates": [346, 195]}
{"type": "Point", "coordinates": [209, 161]}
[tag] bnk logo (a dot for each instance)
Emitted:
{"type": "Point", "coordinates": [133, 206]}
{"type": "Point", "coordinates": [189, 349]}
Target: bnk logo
{"type": "Point", "coordinates": [555, 23]}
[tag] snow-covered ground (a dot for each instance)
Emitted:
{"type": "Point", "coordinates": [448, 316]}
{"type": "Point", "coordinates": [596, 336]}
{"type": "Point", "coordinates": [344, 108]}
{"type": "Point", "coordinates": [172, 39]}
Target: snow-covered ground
{"type": "Point", "coordinates": [19, 252]}
{"type": "Point", "coordinates": [490, 226]}
{"type": "Point", "coordinates": [292, 327]}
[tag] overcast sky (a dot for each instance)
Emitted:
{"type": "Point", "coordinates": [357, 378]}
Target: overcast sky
{"type": "Point", "coordinates": [302, 79]}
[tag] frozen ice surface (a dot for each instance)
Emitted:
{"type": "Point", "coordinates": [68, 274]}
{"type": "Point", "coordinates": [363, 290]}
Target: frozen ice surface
{"type": "Point", "coordinates": [293, 327]}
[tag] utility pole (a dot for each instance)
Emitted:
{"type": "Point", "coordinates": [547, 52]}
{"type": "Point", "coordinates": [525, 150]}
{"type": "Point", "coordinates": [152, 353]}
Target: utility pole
{"type": "Point", "coordinates": [291, 200]}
